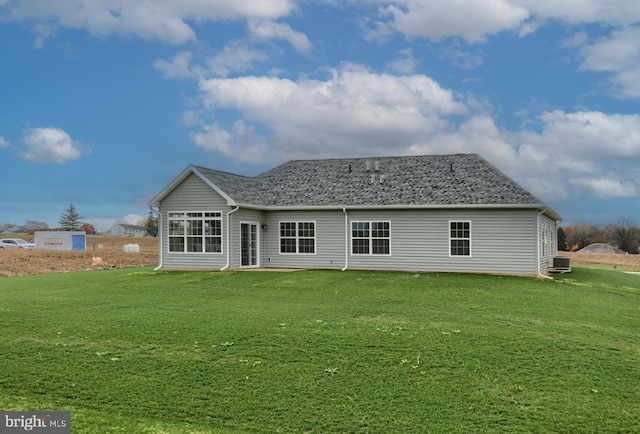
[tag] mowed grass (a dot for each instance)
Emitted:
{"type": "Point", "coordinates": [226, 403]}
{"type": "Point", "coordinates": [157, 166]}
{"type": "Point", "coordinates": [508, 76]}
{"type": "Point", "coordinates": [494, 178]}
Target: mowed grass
{"type": "Point", "coordinates": [137, 351]}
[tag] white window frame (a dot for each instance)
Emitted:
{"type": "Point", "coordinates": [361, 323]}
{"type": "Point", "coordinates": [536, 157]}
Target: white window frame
{"type": "Point", "coordinates": [297, 237]}
{"type": "Point", "coordinates": [192, 216]}
{"type": "Point", "coordinates": [370, 237]}
{"type": "Point", "coordinates": [547, 238]}
{"type": "Point", "coordinates": [462, 238]}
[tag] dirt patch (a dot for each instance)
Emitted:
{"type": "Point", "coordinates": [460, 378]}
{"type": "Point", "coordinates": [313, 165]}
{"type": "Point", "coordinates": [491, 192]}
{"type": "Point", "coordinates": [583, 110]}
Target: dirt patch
{"type": "Point", "coordinates": [21, 262]}
{"type": "Point", "coordinates": [622, 260]}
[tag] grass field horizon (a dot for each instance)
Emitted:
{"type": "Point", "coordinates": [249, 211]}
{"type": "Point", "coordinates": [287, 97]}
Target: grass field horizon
{"type": "Point", "coordinates": [133, 350]}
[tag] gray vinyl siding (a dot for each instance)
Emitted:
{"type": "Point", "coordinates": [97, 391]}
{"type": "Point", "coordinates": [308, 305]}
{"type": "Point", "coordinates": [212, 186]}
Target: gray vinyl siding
{"type": "Point", "coordinates": [330, 240]}
{"type": "Point", "coordinates": [192, 194]}
{"type": "Point", "coordinates": [501, 241]}
{"type": "Point", "coordinates": [547, 242]}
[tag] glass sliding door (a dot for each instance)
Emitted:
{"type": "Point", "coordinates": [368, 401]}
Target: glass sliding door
{"type": "Point", "coordinates": [249, 245]}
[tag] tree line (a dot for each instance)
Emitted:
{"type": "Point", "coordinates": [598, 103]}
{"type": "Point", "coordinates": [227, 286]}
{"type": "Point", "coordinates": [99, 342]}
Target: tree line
{"type": "Point", "coordinates": [71, 220]}
{"type": "Point", "coordinates": [624, 234]}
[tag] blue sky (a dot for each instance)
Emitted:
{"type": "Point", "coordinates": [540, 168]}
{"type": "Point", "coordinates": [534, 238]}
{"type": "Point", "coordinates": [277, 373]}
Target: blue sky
{"type": "Point", "coordinates": [103, 102]}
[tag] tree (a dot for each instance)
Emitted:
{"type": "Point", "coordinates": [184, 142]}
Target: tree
{"type": "Point", "coordinates": [625, 235]}
{"type": "Point", "coordinates": [70, 219]}
{"type": "Point", "coordinates": [582, 234]}
{"type": "Point", "coordinates": [33, 225]}
{"type": "Point", "coordinates": [88, 228]}
{"type": "Point", "coordinates": [151, 225]}
{"type": "Point", "coordinates": [562, 239]}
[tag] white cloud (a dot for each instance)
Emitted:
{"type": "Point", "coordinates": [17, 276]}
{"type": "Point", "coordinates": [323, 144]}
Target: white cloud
{"type": "Point", "coordinates": [50, 145]}
{"type": "Point", "coordinates": [614, 12]}
{"type": "Point", "coordinates": [162, 20]}
{"type": "Point", "coordinates": [474, 20]}
{"type": "Point", "coordinates": [607, 186]}
{"type": "Point", "coordinates": [235, 57]}
{"type": "Point", "coordinates": [178, 67]}
{"type": "Point", "coordinates": [462, 58]}
{"type": "Point", "coordinates": [241, 142]}
{"type": "Point", "coordinates": [577, 40]}
{"type": "Point", "coordinates": [131, 219]}
{"type": "Point", "coordinates": [598, 134]}
{"type": "Point", "coordinates": [434, 19]}
{"type": "Point", "coordinates": [266, 30]}
{"type": "Point", "coordinates": [619, 54]}
{"type": "Point", "coordinates": [4, 143]}
{"type": "Point", "coordinates": [353, 112]}
{"type": "Point", "coordinates": [587, 153]}
{"type": "Point", "coordinates": [405, 63]}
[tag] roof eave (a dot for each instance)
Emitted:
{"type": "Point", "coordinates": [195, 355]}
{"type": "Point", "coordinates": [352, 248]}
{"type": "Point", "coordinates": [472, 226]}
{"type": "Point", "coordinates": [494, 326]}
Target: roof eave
{"type": "Point", "coordinates": [538, 207]}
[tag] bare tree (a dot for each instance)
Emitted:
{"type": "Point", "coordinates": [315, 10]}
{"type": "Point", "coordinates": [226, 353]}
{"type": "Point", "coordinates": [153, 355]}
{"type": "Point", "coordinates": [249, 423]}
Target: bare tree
{"type": "Point", "coordinates": [624, 234]}
{"type": "Point", "coordinates": [582, 234]}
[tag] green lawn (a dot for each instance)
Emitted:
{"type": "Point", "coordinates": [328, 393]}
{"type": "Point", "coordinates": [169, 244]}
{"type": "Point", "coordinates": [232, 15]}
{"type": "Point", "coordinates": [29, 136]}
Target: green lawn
{"type": "Point", "coordinates": [137, 351]}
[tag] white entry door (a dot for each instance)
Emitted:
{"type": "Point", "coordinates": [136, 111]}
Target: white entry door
{"type": "Point", "coordinates": [249, 245]}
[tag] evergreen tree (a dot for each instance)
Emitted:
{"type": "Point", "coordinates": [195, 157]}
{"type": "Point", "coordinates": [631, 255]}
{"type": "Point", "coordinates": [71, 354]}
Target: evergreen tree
{"type": "Point", "coordinates": [151, 225]}
{"type": "Point", "coordinates": [70, 219]}
{"type": "Point", "coordinates": [562, 240]}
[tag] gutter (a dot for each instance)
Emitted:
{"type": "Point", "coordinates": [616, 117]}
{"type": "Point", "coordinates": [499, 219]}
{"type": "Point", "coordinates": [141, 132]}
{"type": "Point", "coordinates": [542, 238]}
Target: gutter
{"type": "Point", "coordinates": [229, 237]}
{"type": "Point", "coordinates": [538, 243]}
{"type": "Point", "coordinates": [160, 249]}
{"type": "Point", "coordinates": [391, 206]}
{"type": "Point", "coordinates": [346, 240]}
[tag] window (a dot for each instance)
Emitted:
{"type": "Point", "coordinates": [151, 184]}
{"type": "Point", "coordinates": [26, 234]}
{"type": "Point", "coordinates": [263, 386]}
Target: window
{"type": "Point", "coordinates": [298, 237]}
{"type": "Point", "coordinates": [545, 241]}
{"type": "Point", "coordinates": [460, 238]}
{"type": "Point", "coordinates": [195, 232]}
{"type": "Point", "coordinates": [370, 238]}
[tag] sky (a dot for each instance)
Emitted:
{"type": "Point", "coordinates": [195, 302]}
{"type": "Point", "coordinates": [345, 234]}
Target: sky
{"type": "Point", "coordinates": [104, 102]}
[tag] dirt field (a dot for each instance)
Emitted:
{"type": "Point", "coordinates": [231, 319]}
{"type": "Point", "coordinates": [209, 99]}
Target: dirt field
{"type": "Point", "coordinates": [20, 262]}
{"type": "Point", "coordinates": [621, 260]}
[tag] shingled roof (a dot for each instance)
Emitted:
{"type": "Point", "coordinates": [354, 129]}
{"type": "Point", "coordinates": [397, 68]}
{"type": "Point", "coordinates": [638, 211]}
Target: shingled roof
{"type": "Point", "coordinates": [433, 180]}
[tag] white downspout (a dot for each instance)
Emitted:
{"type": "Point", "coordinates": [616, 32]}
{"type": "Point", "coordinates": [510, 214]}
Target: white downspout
{"type": "Point", "coordinates": [229, 237]}
{"type": "Point", "coordinates": [160, 242]}
{"type": "Point", "coordinates": [538, 243]}
{"type": "Point", "coordinates": [346, 240]}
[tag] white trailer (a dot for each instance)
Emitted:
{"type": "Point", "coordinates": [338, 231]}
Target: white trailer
{"type": "Point", "coordinates": [61, 240]}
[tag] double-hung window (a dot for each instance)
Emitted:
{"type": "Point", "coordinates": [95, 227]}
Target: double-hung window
{"type": "Point", "coordinates": [460, 238]}
{"type": "Point", "coordinates": [195, 232]}
{"type": "Point", "coordinates": [370, 238]}
{"type": "Point", "coordinates": [298, 237]}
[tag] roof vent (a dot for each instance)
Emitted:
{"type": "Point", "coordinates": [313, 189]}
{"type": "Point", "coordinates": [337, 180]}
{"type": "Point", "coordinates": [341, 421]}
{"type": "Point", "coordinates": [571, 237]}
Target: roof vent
{"type": "Point", "coordinates": [368, 165]}
{"type": "Point", "coordinates": [383, 178]}
{"type": "Point", "coordinates": [376, 165]}
{"type": "Point", "coordinates": [373, 178]}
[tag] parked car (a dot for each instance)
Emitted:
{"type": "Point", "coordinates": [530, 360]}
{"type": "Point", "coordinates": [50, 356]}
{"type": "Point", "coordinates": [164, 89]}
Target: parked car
{"type": "Point", "coordinates": [15, 243]}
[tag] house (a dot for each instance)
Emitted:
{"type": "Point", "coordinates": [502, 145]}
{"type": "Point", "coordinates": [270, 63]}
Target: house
{"type": "Point", "coordinates": [125, 230]}
{"type": "Point", "coordinates": [444, 213]}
